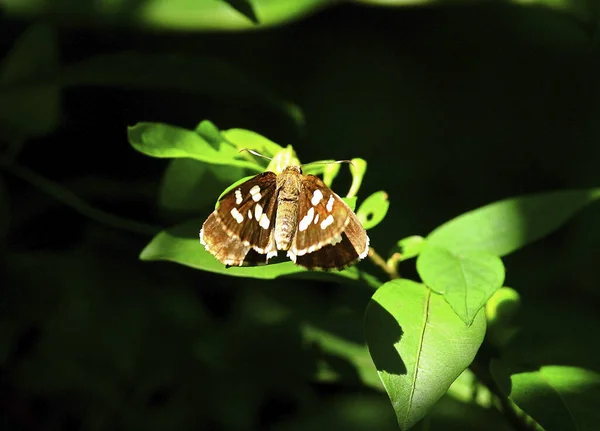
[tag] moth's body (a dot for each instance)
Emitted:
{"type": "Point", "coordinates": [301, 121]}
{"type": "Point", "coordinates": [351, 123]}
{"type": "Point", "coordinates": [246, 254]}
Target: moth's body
{"type": "Point", "coordinates": [290, 212]}
{"type": "Point", "coordinates": [286, 221]}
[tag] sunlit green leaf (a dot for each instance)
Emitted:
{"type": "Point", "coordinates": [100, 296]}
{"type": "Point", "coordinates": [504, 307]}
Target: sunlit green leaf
{"type": "Point", "coordinates": [29, 100]}
{"type": "Point", "coordinates": [207, 130]}
{"type": "Point", "coordinates": [373, 209]}
{"type": "Point", "coordinates": [351, 202]}
{"type": "Point", "coordinates": [410, 247]}
{"type": "Point", "coordinates": [181, 244]}
{"type": "Point", "coordinates": [166, 141]}
{"type": "Point", "coordinates": [419, 346]}
{"type": "Point", "coordinates": [234, 184]}
{"type": "Point", "coordinates": [330, 172]}
{"type": "Point", "coordinates": [174, 15]}
{"type": "Point", "coordinates": [242, 138]}
{"type": "Point", "coordinates": [282, 159]}
{"type": "Point", "coordinates": [245, 8]}
{"type": "Point", "coordinates": [466, 279]}
{"type": "Point", "coordinates": [558, 397]}
{"type": "Point", "coordinates": [505, 226]}
{"type": "Point", "coordinates": [358, 167]}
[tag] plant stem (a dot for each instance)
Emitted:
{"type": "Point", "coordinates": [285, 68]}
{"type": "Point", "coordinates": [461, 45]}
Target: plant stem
{"type": "Point", "coordinates": [63, 195]}
{"type": "Point", "coordinates": [391, 271]}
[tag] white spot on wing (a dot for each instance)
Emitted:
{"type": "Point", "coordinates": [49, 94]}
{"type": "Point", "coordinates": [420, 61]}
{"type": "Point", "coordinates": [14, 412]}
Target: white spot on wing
{"type": "Point", "coordinates": [238, 197]}
{"type": "Point", "coordinates": [258, 210]}
{"type": "Point", "coordinates": [317, 218]}
{"type": "Point", "coordinates": [327, 222]}
{"type": "Point", "coordinates": [307, 219]}
{"type": "Point", "coordinates": [236, 215]}
{"type": "Point", "coordinates": [255, 192]}
{"type": "Point", "coordinates": [291, 255]}
{"type": "Point", "coordinates": [317, 196]}
{"type": "Point", "coordinates": [264, 221]}
{"type": "Point", "coordinates": [336, 240]}
{"type": "Point", "coordinates": [271, 254]}
{"type": "Point", "coordinates": [366, 252]}
{"type": "Point", "coordinates": [250, 214]}
{"type": "Point", "coordinates": [330, 202]}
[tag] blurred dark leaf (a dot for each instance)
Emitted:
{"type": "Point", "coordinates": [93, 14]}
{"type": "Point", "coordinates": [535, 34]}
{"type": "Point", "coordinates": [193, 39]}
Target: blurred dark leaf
{"type": "Point", "coordinates": [175, 72]}
{"type": "Point", "coordinates": [29, 102]}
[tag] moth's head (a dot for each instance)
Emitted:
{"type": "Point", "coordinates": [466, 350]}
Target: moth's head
{"type": "Point", "coordinates": [293, 169]}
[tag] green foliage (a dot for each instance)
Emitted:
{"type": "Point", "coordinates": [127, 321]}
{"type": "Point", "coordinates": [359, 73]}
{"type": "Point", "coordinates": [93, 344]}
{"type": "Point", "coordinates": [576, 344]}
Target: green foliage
{"type": "Point", "coordinates": [30, 106]}
{"type": "Point", "coordinates": [407, 325]}
{"type": "Point", "coordinates": [407, 328]}
{"type": "Point", "coordinates": [373, 210]}
{"type": "Point", "coordinates": [467, 280]}
{"type": "Point", "coordinates": [505, 226]}
{"type": "Point", "coordinates": [557, 397]}
{"type": "Point", "coordinates": [93, 338]}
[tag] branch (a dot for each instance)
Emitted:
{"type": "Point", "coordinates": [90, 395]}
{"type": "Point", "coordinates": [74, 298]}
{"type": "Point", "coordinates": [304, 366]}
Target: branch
{"type": "Point", "coordinates": [389, 269]}
{"type": "Point", "coordinates": [63, 195]}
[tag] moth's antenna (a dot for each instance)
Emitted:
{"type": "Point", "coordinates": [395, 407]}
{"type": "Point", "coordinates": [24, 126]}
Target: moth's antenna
{"type": "Point", "coordinates": [255, 153]}
{"type": "Point", "coordinates": [335, 162]}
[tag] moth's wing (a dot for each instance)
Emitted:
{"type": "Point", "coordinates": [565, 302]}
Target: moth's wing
{"type": "Point", "coordinates": [322, 217]}
{"type": "Point", "coordinates": [243, 221]}
{"type": "Point", "coordinates": [353, 246]}
{"type": "Point", "coordinates": [226, 248]}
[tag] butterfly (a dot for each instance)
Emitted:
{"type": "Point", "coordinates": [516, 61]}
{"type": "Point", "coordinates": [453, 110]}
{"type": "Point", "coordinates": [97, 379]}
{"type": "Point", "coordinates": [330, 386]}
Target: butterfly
{"type": "Point", "coordinates": [289, 212]}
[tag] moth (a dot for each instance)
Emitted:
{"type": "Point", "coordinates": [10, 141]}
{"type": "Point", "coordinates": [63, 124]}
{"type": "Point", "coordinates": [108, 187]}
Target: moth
{"type": "Point", "coordinates": [288, 212]}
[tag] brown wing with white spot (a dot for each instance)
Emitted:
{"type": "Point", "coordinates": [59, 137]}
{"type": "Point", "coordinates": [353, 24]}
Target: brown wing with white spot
{"type": "Point", "coordinates": [353, 246]}
{"type": "Point", "coordinates": [243, 221]}
{"type": "Point", "coordinates": [322, 217]}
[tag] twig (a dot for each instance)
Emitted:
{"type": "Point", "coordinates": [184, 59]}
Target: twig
{"type": "Point", "coordinates": [63, 195]}
{"type": "Point", "coordinates": [391, 271]}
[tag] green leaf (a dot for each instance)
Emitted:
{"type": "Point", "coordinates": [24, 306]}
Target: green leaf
{"type": "Point", "coordinates": [183, 72]}
{"type": "Point", "coordinates": [189, 187]}
{"type": "Point", "coordinates": [500, 312]}
{"type": "Point", "coordinates": [29, 102]}
{"type": "Point", "coordinates": [282, 159]}
{"type": "Point", "coordinates": [245, 8]}
{"type": "Point", "coordinates": [418, 345]}
{"type": "Point", "coordinates": [559, 398]}
{"type": "Point", "coordinates": [181, 244]}
{"type": "Point", "coordinates": [358, 167]}
{"type": "Point", "coordinates": [242, 138]}
{"type": "Point", "coordinates": [505, 226]}
{"type": "Point", "coordinates": [183, 16]}
{"type": "Point", "coordinates": [351, 202]}
{"type": "Point", "coordinates": [207, 130]}
{"type": "Point", "coordinates": [234, 184]}
{"type": "Point", "coordinates": [373, 209]}
{"type": "Point", "coordinates": [330, 171]}
{"type": "Point", "coordinates": [166, 141]}
{"type": "Point", "coordinates": [410, 246]}
{"type": "Point", "coordinates": [466, 279]}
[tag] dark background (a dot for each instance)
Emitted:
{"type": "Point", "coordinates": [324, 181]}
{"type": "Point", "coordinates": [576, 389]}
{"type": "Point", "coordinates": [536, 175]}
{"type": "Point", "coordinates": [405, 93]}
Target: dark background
{"type": "Point", "coordinates": [452, 107]}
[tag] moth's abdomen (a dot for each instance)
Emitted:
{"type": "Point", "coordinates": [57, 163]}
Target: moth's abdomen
{"type": "Point", "coordinates": [285, 224]}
